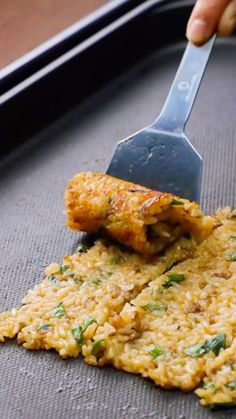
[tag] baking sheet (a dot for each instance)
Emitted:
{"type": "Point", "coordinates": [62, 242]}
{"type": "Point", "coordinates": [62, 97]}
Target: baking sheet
{"type": "Point", "coordinates": [32, 182]}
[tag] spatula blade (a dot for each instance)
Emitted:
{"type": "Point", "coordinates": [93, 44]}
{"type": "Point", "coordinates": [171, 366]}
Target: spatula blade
{"type": "Point", "coordinates": [159, 160]}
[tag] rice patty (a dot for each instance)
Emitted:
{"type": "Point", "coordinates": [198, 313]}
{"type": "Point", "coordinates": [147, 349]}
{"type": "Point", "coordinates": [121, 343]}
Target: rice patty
{"type": "Point", "coordinates": [175, 325]}
{"type": "Point", "coordinates": [185, 323]}
{"type": "Point", "coordinates": [143, 219]}
{"type": "Point", "coordinates": [86, 291]}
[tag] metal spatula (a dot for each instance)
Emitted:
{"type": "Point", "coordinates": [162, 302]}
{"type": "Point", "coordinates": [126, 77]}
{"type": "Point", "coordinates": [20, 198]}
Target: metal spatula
{"type": "Point", "coordinates": [160, 156]}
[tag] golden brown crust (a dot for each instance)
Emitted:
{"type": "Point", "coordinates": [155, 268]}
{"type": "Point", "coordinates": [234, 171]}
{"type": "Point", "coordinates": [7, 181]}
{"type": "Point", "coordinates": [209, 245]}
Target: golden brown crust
{"type": "Point", "coordinates": [138, 217]}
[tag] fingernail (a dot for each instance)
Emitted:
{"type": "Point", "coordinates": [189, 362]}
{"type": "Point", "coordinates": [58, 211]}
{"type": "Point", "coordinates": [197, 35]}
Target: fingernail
{"type": "Point", "coordinates": [198, 31]}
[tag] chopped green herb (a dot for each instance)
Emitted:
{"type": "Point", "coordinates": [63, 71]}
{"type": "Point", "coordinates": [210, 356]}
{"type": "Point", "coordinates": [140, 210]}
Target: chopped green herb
{"type": "Point", "coordinates": [233, 256]}
{"type": "Point", "coordinates": [156, 351]}
{"type": "Point", "coordinates": [81, 248]}
{"type": "Point", "coordinates": [231, 384]}
{"type": "Point", "coordinates": [177, 202]}
{"type": "Point", "coordinates": [214, 345]}
{"type": "Point", "coordinates": [63, 269]}
{"type": "Point", "coordinates": [59, 310]}
{"type": "Point", "coordinates": [173, 277]}
{"type": "Point", "coordinates": [208, 385]}
{"type": "Point", "coordinates": [97, 347]}
{"type": "Point", "coordinates": [233, 237]}
{"type": "Point", "coordinates": [88, 322]}
{"type": "Point", "coordinates": [117, 260]}
{"type": "Point", "coordinates": [196, 351]}
{"type": "Point", "coordinates": [45, 326]}
{"type": "Point", "coordinates": [77, 333]}
{"type": "Point", "coordinates": [154, 307]}
{"type": "Point", "coordinates": [95, 281]}
{"type": "Point", "coordinates": [53, 279]}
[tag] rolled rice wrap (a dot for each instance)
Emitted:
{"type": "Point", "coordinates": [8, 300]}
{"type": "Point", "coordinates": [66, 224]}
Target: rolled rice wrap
{"type": "Point", "coordinates": [138, 217]}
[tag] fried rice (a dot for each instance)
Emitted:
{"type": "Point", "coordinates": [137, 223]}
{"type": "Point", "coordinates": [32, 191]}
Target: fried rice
{"type": "Point", "coordinates": [170, 317]}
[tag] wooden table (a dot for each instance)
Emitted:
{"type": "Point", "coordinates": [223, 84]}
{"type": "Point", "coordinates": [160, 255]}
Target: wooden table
{"type": "Point", "coordinates": [25, 24]}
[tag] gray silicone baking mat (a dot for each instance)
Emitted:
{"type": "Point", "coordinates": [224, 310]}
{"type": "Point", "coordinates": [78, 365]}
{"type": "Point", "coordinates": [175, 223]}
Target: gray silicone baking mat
{"type": "Point", "coordinates": [37, 385]}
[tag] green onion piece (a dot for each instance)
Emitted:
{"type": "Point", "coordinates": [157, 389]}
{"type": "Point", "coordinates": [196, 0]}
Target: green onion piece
{"type": "Point", "coordinates": [176, 202]}
{"type": "Point", "coordinates": [233, 237]}
{"type": "Point", "coordinates": [81, 248]}
{"type": "Point", "coordinates": [173, 277]}
{"type": "Point", "coordinates": [156, 351]}
{"type": "Point", "coordinates": [88, 322]}
{"type": "Point", "coordinates": [208, 385]}
{"type": "Point", "coordinates": [97, 347]}
{"type": "Point", "coordinates": [216, 343]}
{"type": "Point", "coordinates": [196, 351]}
{"type": "Point", "coordinates": [233, 256]}
{"type": "Point", "coordinates": [53, 279]}
{"type": "Point", "coordinates": [153, 307]}
{"type": "Point", "coordinates": [231, 384]}
{"type": "Point", "coordinates": [63, 269]}
{"type": "Point", "coordinates": [117, 260]}
{"type": "Point", "coordinates": [45, 326]}
{"type": "Point", "coordinates": [77, 333]}
{"type": "Point", "coordinates": [95, 281]}
{"type": "Point", "coordinates": [59, 310]}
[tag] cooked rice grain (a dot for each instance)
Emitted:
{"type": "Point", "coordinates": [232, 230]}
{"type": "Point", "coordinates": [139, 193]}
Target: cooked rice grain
{"type": "Point", "coordinates": [95, 284]}
{"type": "Point", "coordinates": [173, 317]}
{"type": "Point", "coordinates": [175, 325]}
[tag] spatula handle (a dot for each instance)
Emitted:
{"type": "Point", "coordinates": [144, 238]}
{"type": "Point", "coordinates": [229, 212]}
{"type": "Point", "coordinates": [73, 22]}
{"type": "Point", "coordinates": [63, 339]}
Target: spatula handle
{"type": "Point", "coordinates": [184, 89]}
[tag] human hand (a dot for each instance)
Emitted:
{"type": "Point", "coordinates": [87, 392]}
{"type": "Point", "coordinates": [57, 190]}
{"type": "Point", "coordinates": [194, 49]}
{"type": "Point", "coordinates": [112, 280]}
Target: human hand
{"type": "Point", "coordinates": [210, 16]}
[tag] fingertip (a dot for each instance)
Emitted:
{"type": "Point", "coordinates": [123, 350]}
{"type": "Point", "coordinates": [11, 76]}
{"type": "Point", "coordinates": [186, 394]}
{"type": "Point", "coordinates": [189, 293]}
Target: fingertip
{"type": "Point", "coordinates": [198, 31]}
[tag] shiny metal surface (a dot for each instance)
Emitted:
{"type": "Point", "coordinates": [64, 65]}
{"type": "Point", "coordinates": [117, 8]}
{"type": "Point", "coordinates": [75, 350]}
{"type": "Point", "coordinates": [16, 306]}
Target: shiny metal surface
{"type": "Point", "coordinates": [161, 157]}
